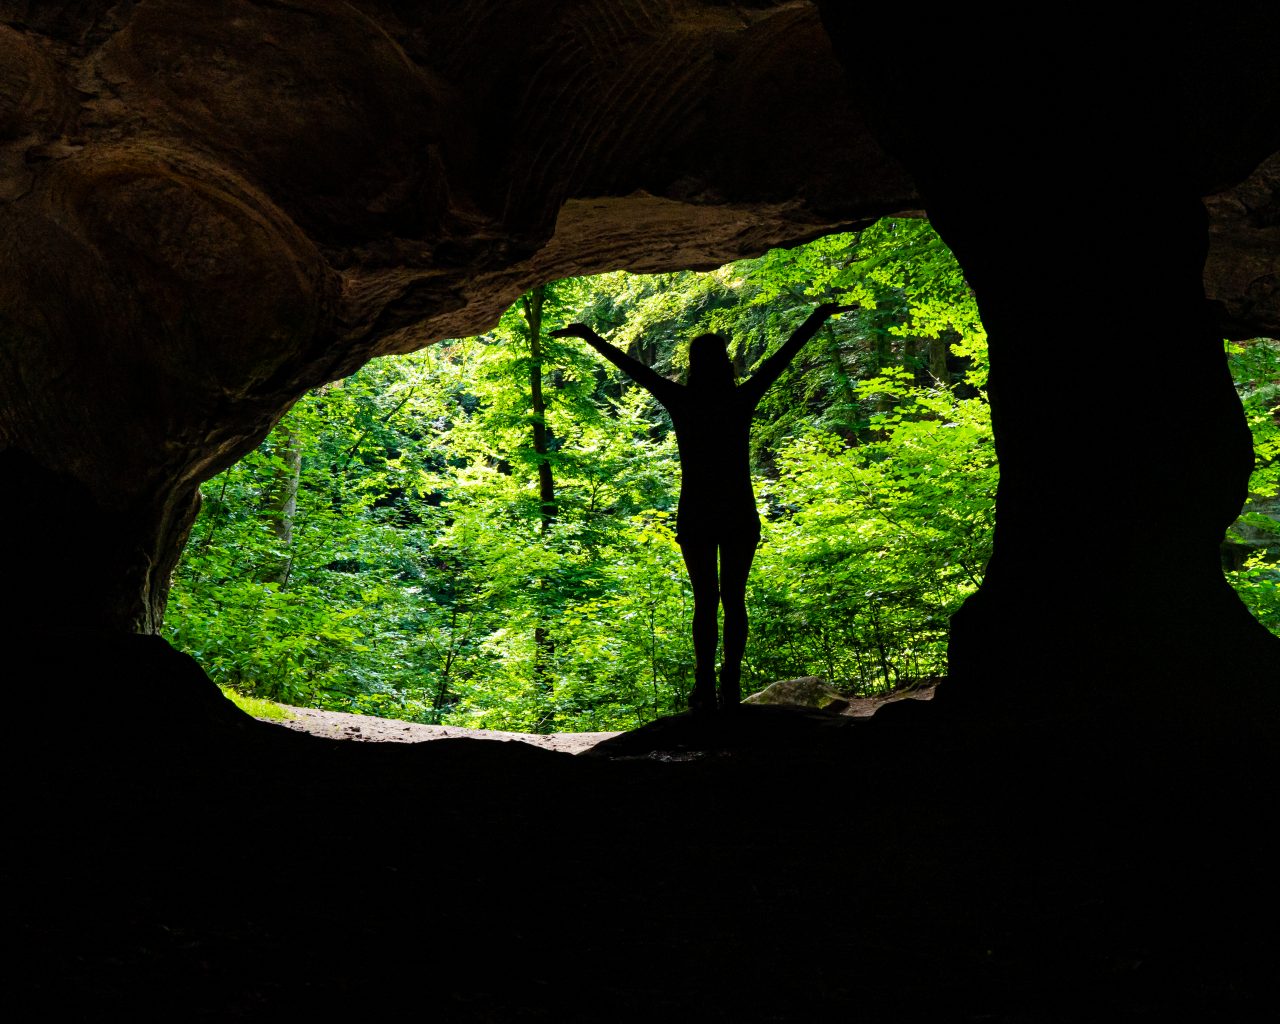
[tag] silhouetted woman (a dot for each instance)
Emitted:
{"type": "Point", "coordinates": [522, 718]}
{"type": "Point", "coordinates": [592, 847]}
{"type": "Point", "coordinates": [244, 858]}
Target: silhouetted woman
{"type": "Point", "coordinates": [717, 513]}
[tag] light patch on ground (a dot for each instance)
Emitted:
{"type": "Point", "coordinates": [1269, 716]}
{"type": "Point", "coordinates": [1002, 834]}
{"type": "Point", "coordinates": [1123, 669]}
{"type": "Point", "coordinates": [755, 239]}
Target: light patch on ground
{"type": "Point", "coordinates": [340, 725]}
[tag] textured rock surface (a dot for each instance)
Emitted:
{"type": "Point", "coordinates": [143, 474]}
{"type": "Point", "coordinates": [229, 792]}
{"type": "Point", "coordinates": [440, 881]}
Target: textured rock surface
{"type": "Point", "coordinates": [805, 692]}
{"type": "Point", "coordinates": [211, 208]}
{"type": "Point", "coordinates": [1243, 269]}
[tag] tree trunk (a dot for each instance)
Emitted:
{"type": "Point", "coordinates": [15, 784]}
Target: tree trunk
{"type": "Point", "coordinates": [543, 644]}
{"type": "Point", "coordinates": [282, 496]}
{"type": "Point", "coordinates": [848, 397]}
{"type": "Point", "coordinates": [938, 350]}
{"type": "Point", "coordinates": [533, 302]}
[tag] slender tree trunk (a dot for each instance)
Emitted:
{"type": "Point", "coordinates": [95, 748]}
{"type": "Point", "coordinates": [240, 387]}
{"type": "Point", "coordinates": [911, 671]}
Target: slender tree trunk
{"type": "Point", "coordinates": [441, 697]}
{"type": "Point", "coordinates": [544, 645]}
{"type": "Point", "coordinates": [938, 350]}
{"type": "Point", "coordinates": [883, 358]}
{"type": "Point", "coordinates": [282, 498]}
{"type": "Point", "coordinates": [848, 397]}
{"type": "Point", "coordinates": [533, 303]}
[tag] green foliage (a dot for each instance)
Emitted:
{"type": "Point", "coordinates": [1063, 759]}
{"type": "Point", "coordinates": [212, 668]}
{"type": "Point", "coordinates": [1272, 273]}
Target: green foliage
{"type": "Point", "coordinates": [1258, 584]}
{"type": "Point", "coordinates": [1255, 365]}
{"type": "Point", "coordinates": [880, 544]}
{"type": "Point", "coordinates": [257, 707]}
{"type": "Point", "coordinates": [330, 613]}
{"type": "Point", "coordinates": [418, 578]}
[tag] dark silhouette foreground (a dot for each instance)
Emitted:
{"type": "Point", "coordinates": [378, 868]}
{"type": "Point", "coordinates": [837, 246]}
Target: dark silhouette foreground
{"type": "Point", "coordinates": [173, 860]}
{"type": "Point", "coordinates": [717, 518]}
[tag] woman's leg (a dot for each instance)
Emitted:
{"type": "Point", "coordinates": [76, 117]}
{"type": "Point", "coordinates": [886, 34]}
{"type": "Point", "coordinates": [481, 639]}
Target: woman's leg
{"type": "Point", "coordinates": [736, 554]}
{"type": "Point", "coordinates": [700, 561]}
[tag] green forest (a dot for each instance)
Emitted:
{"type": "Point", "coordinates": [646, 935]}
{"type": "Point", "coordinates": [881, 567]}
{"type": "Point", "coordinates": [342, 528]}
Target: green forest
{"type": "Point", "coordinates": [482, 533]}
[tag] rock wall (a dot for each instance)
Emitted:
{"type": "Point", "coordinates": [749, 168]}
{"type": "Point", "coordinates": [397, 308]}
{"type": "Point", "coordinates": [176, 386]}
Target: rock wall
{"type": "Point", "coordinates": [1110, 127]}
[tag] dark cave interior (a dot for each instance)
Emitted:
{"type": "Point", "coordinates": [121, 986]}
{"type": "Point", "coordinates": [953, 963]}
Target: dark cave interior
{"type": "Point", "coordinates": [208, 211]}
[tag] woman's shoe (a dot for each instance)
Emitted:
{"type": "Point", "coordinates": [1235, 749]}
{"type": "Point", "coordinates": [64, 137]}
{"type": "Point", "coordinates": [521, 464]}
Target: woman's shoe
{"type": "Point", "coordinates": [702, 701]}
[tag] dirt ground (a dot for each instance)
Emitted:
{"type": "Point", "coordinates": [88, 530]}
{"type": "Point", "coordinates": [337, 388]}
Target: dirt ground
{"type": "Point", "coordinates": [339, 725]}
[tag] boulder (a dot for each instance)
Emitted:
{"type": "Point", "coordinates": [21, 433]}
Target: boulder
{"type": "Point", "coordinates": [805, 692]}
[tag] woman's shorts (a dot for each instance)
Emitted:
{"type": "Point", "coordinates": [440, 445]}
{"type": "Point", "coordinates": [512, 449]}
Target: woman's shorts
{"type": "Point", "coordinates": [719, 532]}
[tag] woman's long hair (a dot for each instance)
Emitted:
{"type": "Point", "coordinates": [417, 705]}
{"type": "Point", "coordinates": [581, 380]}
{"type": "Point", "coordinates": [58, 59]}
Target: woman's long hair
{"type": "Point", "coordinates": [709, 363]}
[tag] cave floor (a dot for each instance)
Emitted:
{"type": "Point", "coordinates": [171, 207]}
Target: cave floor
{"type": "Point", "coordinates": [776, 868]}
{"type": "Point", "coordinates": [342, 725]}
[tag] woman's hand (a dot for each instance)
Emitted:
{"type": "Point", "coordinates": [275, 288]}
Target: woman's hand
{"type": "Point", "coordinates": [572, 331]}
{"type": "Point", "coordinates": [827, 309]}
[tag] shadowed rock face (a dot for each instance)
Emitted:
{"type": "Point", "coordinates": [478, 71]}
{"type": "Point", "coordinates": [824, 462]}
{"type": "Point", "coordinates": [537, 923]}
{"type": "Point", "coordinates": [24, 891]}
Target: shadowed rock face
{"type": "Point", "coordinates": [209, 209]}
{"type": "Point", "coordinates": [1242, 273]}
{"type": "Point", "coordinates": [1108, 127]}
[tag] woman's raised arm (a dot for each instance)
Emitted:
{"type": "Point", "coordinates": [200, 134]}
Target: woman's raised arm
{"type": "Point", "coordinates": [772, 368]}
{"type": "Point", "coordinates": [657, 385]}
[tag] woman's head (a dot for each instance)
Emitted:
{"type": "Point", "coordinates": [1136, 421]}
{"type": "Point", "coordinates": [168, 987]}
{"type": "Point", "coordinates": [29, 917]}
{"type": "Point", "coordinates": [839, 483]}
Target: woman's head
{"type": "Point", "coordinates": [709, 363]}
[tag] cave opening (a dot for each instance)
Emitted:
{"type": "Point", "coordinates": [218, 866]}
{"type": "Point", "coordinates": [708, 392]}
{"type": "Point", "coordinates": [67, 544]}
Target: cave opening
{"type": "Point", "coordinates": [386, 549]}
{"type": "Point", "coordinates": [392, 548]}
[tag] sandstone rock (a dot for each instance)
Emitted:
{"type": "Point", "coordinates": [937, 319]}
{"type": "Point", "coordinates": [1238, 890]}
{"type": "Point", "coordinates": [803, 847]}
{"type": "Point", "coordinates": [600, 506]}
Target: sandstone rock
{"type": "Point", "coordinates": [806, 692]}
{"type": "Point", "coordinates": [1242, 273]}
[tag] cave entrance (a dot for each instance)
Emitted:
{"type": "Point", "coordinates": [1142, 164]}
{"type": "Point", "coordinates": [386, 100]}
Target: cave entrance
{"type": "Point", "coordinates": [481, 533]}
